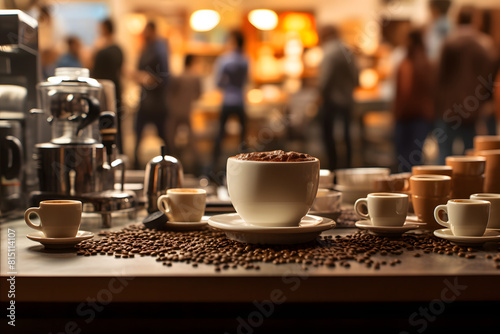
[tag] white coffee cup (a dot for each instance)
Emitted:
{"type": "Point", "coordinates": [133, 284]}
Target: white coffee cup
{"type": "Point", "coordinates": [183, 204]}
{"type": "Point", "coordinates": [466, 217]}
{"type": "Point", "coordinates": [58, 218]}
{"type": "Point", "coordinates": [384, 209]}
{"type": "Point", "coordinates": [494, 199]}
{"type": "Point", "coordinates": [272, 193]}
{"type": "Point", "coordinates": [327, 201]}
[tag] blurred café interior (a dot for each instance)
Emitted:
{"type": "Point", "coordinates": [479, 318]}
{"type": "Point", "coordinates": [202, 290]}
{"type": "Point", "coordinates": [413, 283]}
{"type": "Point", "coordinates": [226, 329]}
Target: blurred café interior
{"type": "Point", "coordinates": [283, 44]}
{"type": "Point", "coordinates": [358, 83]}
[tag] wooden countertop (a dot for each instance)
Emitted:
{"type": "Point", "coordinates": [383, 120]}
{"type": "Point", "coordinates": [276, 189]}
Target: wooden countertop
{"type": "Point", "coordinates": [62, 276]}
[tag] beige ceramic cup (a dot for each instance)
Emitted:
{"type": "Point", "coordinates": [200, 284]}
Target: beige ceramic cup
{"type": "Point", "coordinates": [384, 209]}
{"type": "Point", "coordinates": [494, 199]}
{"type": "Point", "coordinates": [271, 193]}
{"type": "Point", "coordinates": [467, 217]}
{"type": "Point", "coordinates": [427, 192]}
{"type": "Point", "coordinates": [58, 218]}
{"type": "Point", "coordinates": [183, 204]}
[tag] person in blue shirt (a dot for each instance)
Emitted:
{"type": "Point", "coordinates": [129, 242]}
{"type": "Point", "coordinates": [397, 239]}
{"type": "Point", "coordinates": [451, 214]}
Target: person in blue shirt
{"type": "Point", "coordinates": [439, 28]}
{"type": "Point", "coordinates": [231, 76]}
{"type": "Point", "coordinates": [72, 57]}
{"type": "Point", "coordinates": [152, 75]}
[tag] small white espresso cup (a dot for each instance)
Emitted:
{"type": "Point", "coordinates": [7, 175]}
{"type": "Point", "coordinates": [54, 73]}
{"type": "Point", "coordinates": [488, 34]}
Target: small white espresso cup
{"type": "Point", "coordinates": [494, 199]}
{"type": "Point", "coordinates": [183, 204]}
{"type": "Point", "coordinates": [384, 209]}
{"type": "Point", "coordinates": [58, 218]}
{"type": "Point", "coordinates": [466, 217]}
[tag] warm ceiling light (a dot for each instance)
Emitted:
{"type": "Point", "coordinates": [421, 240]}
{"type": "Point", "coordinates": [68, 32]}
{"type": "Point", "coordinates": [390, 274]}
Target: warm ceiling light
{"type": "Point", "coordinates": [263, 19]}
{"type": "Point", "coordinates": [204, 20]}
{"type": "Point", "coordinates": [368, 78]}
{"type": "Point", "coordinates": [255, 96]}
{"type": "Point", "coordinates": [135, 23]}
{"type": "Point", "coordinates": [297, 21]}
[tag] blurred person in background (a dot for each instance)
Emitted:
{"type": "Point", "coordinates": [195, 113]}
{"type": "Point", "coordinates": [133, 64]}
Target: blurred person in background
{"type": "Point", "coordinates": [50, 40]}
{"type": "Point", "coordinates": [488, 119]}
{"type": "Point", "coordinates": [73, 53]}
{"type": "Point", "coordinates": [439, 28]}
{"type": "Point", "coordinates": [231, 73]}
{"type": "Point", "coordinates": [497, 99]}
{"type": "Point", "coordinates": [183, 90]}
{"type": "Point", "coordinates": [107, 64]}
{"type": "Point", "coordinates": [464, 68]}
{"type": "Point", "coordinates": [337, 79]}
{"type": "Point", "coordinates": [152, 75]}
{"type": "Point", "coordinates": [413, 106]}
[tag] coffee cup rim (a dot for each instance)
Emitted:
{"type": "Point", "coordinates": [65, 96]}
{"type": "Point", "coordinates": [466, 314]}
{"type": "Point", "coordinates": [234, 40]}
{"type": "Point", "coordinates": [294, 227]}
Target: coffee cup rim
{"type": "Point", "coordinates": [186, 191]}
{"type": "Point", "coordinates": [53, 202]}
{"type": "Point", "coordinates": [464, 158]}
{"type": "Point", "coordinates": [387, 195]}
{"type": "Point", "coordinates": [486, 137]}
{"type": "Point", "coordinates": [437, 167]}
{"type": "Point", "coordinates": [488, 152]}
{"type": "Point", "coordinates": [467, 201]}
{"type": "Point", "coordinates": [485, 195]}
{"type": "Point", "coordinates": [430, 177]}
{"type": "Point", "coordinates": [273, 162]}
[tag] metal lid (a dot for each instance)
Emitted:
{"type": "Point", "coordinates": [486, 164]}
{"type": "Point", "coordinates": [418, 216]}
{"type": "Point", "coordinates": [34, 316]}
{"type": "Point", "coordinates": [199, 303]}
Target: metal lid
{"type": "Point", "coordinates": [71, 76]}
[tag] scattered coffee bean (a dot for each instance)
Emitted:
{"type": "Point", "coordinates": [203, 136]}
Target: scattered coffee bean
{"type": "Point", "coordinates": [211, 247]}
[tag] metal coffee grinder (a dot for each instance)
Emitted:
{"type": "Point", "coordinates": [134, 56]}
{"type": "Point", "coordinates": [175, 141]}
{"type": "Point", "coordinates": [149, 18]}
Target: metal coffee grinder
{"type": "Point", "coordinates": [80, 162]}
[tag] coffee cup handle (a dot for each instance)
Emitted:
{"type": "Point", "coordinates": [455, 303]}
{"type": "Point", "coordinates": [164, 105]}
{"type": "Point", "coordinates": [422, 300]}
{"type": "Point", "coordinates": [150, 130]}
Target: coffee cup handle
{"type": "Point", "coordinates": [163, 204]}
{"type": "Point", "coordinates": [358, 204]}
{"type": "Point", "coordinates": [27, 218]}
{"type": "Point", "coordinates": [437, 211]}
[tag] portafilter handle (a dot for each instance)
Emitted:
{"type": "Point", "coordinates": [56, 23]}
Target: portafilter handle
{"type": "Point", "coordinates": [92, 115]}
{"type": "Point", "coordinates": [108, 131]}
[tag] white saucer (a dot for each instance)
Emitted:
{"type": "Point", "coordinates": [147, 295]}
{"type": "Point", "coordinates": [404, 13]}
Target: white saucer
{"type": "Point", "coordinates": [188, 226]}
{"type": "Point", "coordinates": [329, 214]}
{"type": "Point", "coordinates": [386, 230]}
{"type": "Point", "coordinates": [489, 235]}
{"type": "Point", "coordinates": [236, 229]}
{"type": "Point", "coordinates": [59, 242]}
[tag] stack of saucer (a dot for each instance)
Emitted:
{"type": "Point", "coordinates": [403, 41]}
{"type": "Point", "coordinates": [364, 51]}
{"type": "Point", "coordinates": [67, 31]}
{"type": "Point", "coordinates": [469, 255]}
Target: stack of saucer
{"type": "Point", "coordinates": [355, 183]}
{"type": "Point", "coordinates": [327, 204]}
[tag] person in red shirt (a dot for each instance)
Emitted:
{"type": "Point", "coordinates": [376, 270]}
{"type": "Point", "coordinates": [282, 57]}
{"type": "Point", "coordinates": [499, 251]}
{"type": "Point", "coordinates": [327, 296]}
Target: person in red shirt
{"type": "Point", "coordinates": [413, 106]}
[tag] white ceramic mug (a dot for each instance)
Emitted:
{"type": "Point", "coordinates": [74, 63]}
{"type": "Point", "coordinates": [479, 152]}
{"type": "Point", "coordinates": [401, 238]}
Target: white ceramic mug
{"type": "Point", "coordinates": [183, 204]}
{"type": "Point", "coordinates": [58, 218]}
{"type": "Point", "coordinates": [466, 217]}
{"type": "Point", "coordinates": [494, 199]}
{"type": "Point", "coordinates": [272, 193]}
{"type": "Point", "coordinates": [384, 209]}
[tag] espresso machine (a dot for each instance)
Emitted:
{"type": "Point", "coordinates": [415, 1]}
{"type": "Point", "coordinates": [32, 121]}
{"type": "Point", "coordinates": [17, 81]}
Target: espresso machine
{"type": "Point", "coordinates": [79, 161]}
{"type": "Point", "coordinates": [19, 75]}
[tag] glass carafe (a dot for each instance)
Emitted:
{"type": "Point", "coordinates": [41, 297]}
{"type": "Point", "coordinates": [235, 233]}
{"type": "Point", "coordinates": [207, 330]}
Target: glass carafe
{"type": "Point", "coordinates": [70, 99]}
